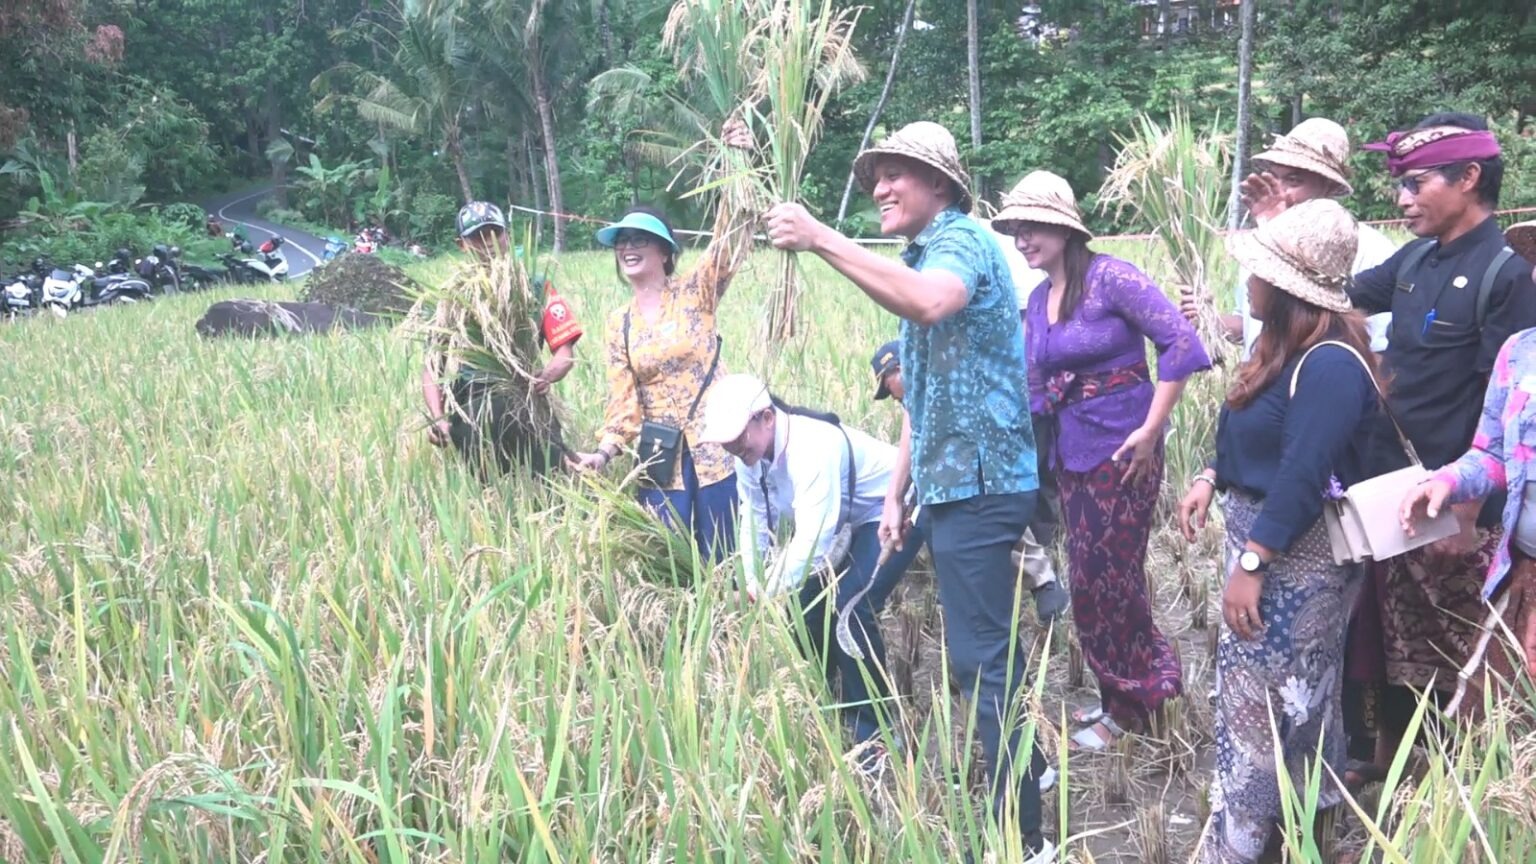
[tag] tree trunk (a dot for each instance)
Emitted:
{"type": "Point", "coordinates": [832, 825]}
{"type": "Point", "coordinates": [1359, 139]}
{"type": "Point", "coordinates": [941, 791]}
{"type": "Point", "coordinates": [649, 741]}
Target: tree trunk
{"type": "Point", "coordinates": [543, 101]}
{"type": "Point", "coordinates": [274, 122]}
{"type": "Point", "coordinates": [973, 60]}
{"type": "Point", "coordinates": [274, 132]}
{"type": "Point", "coordinates": [1249, 12]}
{"type": "Point", "coordinates": [533, 184]}
{"type": "Point", "coordinates": [605, 32]}
{"type": "Point", "coordinates": [455, 149]}
{"type": "Point", "coordinates": [885, 96]}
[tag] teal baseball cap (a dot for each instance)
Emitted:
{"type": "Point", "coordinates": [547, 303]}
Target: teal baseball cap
{"type": "Point", "coordinates": [637, 222]}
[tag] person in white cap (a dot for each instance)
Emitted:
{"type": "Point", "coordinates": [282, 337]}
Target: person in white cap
{"type": "Point", "coordinates": [803, 467]}
{"type": "Point", "coordinates": [1310, 163]}
{"type": "Point", "coordinates": [966, 436]}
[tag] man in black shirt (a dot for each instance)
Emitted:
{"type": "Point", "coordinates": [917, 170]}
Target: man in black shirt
{"type": "Point", "coordinates": [1456, 294]}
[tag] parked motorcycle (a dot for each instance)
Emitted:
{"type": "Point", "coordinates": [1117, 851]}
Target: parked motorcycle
{"type": "Point", "coordinates": [22, 294]}
{"type": "Point", "coordinates": [269, 265]}
{"type": "Point", "coordinates": [333, 246]}
{"type": "Point", "coordinates": [161, 269]}
{"type": "Point", "coordinates": [118, 286]}
{"type": "Point", "coordinates": [62, 290]}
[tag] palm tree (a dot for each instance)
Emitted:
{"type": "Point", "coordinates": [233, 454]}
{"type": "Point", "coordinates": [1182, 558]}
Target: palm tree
{"type": "Point", "coordinates": [432, 87]}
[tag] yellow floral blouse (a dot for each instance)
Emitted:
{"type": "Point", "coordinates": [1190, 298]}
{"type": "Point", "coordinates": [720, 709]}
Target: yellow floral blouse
{"type": "Point", "coordinates": [671, 355]}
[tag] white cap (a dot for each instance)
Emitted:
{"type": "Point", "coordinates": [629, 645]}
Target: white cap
{"type": "Point", "coordinates": [732, 402]}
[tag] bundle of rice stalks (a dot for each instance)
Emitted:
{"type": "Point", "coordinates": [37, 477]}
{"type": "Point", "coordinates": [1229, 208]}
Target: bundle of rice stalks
{"type": "Point", "coordinates": [362, 282]}
{"type": "Point", "coordinates": [618, 535]}
{"type": "Point", "coordinates": [1174, 177]}
{"type": "Point", "coordinates": [774, 64]}
{"type": "Point", "coordinates": [807, 57]}
{"type": "Point", "coordinates": [485, 323]}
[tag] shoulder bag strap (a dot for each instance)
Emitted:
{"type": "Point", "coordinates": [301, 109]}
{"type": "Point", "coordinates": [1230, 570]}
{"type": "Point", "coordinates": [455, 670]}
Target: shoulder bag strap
{"type": "Point", "coordinates": [708, 378]}
{"type": "Point", "coordinates": [1485, 289]}
{"type": "Point", "coordinates": [1412, 259]}
{"type": "Point", "coordinates": [853, 474]}
{"type": "Point", "coordinates": [1413, 455]}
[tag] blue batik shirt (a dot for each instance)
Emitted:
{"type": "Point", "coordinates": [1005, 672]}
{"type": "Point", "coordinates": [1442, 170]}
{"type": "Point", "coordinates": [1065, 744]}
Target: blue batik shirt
{"type": "Point", "coordinates": [965, 378]}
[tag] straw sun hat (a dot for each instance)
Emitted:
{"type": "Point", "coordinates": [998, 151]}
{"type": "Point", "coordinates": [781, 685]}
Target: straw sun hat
{"type": "Point", "coordinates": [1308, 252]}
{"type": "Point", "coordinates": [1040, 197]}
{"type": "Point", "coordinates": [928, 143]}
{"type": "Point", "coordinates": [1316, 145]}
{"type": "Point", "coordinates": [1522, 238]}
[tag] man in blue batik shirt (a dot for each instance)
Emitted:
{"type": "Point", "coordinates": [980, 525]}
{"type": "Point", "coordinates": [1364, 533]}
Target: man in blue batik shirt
{"type": "Point", "coordinates": [966, 439]}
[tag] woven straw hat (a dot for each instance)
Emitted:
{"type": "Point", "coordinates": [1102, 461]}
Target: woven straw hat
{"type": "Point", "coordinates": [1040, 197]}
{"type": "Point", "coordinates": [1522, 238]}
{"type": "Point", "coordinates": [1316, 145]}
{"type": "Point", "coordinates": [1308, 252]}
{"type": "Point", "coordinates": [928, 143]}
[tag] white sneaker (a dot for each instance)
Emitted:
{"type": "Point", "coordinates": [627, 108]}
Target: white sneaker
{"type": "Point", "coordinates": [1047, 779]}
{"type": "Point", "coordinates": [1046, 855]}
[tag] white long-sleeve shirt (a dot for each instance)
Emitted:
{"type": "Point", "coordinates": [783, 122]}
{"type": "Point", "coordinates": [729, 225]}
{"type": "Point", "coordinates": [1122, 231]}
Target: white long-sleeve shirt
{"type": "Point", "coordinates": [1375, 247]}
{"type": "Point", "coordinates": [806, 481]}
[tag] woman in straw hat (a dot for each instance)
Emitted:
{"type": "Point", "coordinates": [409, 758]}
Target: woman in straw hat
{"type": "Point", "coordinates": [1503, 457]}
{"type": "Point", "coordinates": [1100, 419]}
{"type": "Point", "coordinates": [1297, 421]}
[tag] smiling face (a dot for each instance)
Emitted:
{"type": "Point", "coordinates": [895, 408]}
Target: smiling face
{"type": "Point", "coordinates": [1043, 246]}
{"type": "Point", "coordinates": [909, 195]}
{"type": "Point", "coordinates": [640, 255]}
{"type": "Point", "coordinates": [755, 441]}
{"type": "Point", "coordinates": [1434, 203]}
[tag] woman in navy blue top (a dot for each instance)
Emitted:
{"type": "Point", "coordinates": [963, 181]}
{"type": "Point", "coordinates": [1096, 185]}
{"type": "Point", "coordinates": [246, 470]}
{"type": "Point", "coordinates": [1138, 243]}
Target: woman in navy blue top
{"type": "Point", "coordinates": [1295, 425]}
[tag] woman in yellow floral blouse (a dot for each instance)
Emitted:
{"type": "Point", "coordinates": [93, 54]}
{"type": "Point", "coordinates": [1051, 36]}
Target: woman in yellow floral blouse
{"type": "Point", "coordinates": [662, 347]}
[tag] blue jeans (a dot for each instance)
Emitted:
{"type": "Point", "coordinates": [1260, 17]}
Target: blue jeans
{"type": "Point", "coordinates": [972, 543]}
{"type": "Point", "coordinates": [706, 512]}
{"type": "Point", "coordinates": [862, 686]}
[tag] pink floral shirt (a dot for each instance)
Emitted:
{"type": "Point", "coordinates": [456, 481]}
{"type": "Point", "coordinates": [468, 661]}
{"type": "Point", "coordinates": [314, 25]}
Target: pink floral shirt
{"type": "Point", "coordinates": [1503, 450]}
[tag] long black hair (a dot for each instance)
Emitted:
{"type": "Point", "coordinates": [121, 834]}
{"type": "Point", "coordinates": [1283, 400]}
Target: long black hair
{"type": "Point", "coordinates": [1078, 258]}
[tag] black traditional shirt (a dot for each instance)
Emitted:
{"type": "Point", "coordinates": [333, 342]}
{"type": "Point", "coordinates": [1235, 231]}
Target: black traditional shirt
{"type": "Point", "coordinates": [1438, 358]}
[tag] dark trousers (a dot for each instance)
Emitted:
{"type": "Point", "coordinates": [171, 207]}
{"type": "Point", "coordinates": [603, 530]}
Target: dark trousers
{"type": "Point", "coordinates": [706, 513]}
{"type": "Point", "coordinates": [862, 686]}
{"type": "Point", "coordinates": [494, 437]}
{"type": "Point", "coordinates": [972, 544]}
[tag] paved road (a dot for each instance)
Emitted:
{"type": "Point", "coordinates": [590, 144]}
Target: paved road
{"type": "Point", "coordinates": [238, 210]}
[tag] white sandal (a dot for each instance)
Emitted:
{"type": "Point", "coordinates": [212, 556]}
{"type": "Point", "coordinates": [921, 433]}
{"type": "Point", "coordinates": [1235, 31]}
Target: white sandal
{"type": "Point", "coordinates": [1089, 741]}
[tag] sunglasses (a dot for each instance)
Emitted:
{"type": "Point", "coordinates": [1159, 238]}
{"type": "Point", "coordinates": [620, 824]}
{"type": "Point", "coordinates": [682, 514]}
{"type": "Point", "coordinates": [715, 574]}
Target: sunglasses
{"type": "Point", "coordinates": [634, 240]}
{"type": "Point", "coordinates": [1411, 183]}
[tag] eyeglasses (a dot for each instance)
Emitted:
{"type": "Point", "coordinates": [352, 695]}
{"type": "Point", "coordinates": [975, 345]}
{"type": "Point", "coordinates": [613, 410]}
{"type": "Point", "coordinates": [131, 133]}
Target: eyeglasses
{"type": "Point", "coordinates": [634, 240]}
{"type": "Point", "coordinates": [1411, 183]}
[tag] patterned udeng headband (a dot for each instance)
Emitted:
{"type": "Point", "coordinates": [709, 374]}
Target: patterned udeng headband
{"type": "Point", "coordinates": [1434, 147]}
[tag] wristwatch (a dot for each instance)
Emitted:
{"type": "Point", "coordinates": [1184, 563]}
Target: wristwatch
{"type": "Point", "coordinates": [1251, 562]}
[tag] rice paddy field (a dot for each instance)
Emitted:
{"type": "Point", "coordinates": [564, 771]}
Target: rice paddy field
{"type": "Point", "coordinates": [248, 613]}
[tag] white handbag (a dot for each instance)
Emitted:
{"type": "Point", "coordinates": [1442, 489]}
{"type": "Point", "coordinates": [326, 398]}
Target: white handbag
{"type": "Point", "coordinates": [1365, 525]}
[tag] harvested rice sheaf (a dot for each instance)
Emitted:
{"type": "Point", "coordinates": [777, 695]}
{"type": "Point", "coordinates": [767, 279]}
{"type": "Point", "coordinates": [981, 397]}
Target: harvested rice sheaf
{"type": "Point", "coordinates": [363, 282]}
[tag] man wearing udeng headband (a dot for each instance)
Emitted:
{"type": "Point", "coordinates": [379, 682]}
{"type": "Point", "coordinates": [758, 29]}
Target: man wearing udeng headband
{"type": "Point", "coordinates": [1455, 295]}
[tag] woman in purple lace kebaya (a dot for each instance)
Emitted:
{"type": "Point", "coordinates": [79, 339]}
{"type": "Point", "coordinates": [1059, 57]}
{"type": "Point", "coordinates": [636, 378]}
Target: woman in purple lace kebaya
{"type": "Point", "coordinates": [1100, 419]}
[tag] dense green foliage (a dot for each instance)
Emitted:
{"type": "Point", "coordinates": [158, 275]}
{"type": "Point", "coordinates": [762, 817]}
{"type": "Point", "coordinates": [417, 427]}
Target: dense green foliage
{"type": "Point", "coordinates": [392, 111]}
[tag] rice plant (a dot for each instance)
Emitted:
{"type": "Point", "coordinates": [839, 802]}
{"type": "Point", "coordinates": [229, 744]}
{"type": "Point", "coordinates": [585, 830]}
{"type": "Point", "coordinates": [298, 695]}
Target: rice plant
{"type": "Point", "coordinates": [248, 613]}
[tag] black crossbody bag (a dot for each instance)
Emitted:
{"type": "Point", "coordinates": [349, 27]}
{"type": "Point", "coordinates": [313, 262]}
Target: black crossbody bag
{"type": "Point", "coordinates": [659, 443]}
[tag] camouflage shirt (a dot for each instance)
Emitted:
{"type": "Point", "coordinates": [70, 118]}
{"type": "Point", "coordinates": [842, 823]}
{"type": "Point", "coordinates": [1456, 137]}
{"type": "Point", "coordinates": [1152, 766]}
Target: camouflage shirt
{"type": "Point", "coordinates": [965, 376]}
